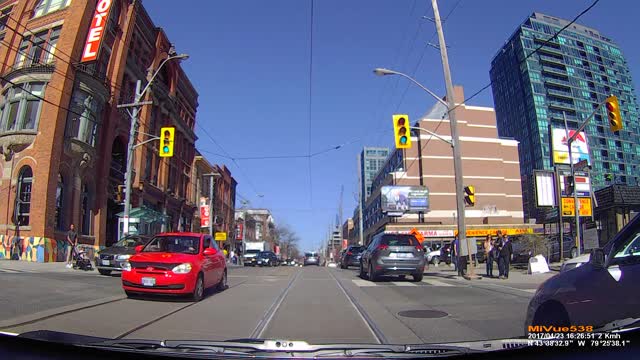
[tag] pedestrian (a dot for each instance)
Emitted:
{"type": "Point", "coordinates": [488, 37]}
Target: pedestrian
{"type": "Point", "coordinates": [72, 242]}
{"type": "Point", "coordinates": [497, 250]}
{"type": "Point", "coordinates": [506, 252]}
{"type": "Point", "coordinates": [488, 250]}
{"type": "Point", "coordinates": [232, 256]}
{"type": "Point", "coordinates": [455, 247]}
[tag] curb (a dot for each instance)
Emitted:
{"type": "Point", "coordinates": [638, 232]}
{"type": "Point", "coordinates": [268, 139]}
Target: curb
{"type": "Point", "coordinates": [42, 315]}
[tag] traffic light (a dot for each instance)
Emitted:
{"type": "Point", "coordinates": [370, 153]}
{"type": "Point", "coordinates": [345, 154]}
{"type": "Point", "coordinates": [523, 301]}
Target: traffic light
{"type": "Point", "coordinates": [470, 195]}
{"type": "Point", "coordinates": [401, 131]}
{"type": "Point", "coordinates": [166, 141]}
{"type": "Point", "coordinates": [569, 185]}
{"type": "Point", "coordinates": [613, 112]}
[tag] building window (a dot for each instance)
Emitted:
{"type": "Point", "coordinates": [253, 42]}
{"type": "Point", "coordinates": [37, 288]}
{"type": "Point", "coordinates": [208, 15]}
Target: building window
{"type": "Point", "coordinates": [38, 49]}
{"type": "Point", "coordinates": [83, 121]}
{"type": "Point", "coordinates": [85, 229]}
{"type": "Point", "coordinates": [23, 196]}
{"type": "Point", "coordinates": [45, 7]}
{"type": "Point", "coordinates": [20, 107]}
{"type": "Point", "coordinates": [59, 203]}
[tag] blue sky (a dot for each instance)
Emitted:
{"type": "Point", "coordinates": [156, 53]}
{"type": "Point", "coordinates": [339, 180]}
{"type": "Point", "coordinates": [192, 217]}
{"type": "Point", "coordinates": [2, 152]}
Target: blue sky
{"type": "Point", "coordinates": [250, 64]}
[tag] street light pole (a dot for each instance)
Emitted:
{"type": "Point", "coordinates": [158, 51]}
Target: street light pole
{"type": "Point", "coordinates": [457, 157]}
{"type": "Point", "coordinates": [133, 127]}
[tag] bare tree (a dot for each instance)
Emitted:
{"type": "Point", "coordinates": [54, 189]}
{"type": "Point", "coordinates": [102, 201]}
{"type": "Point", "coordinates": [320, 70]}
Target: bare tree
{"type": "Point", "coordinates": [288, 240]}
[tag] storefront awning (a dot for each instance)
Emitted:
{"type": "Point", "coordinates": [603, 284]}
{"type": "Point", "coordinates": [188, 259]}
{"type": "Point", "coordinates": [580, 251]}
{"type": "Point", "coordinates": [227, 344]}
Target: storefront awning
{"type": "Point", "coordinates": [146, 214]}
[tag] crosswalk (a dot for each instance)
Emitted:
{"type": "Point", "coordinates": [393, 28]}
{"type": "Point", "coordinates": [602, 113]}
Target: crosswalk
{"type": "Point", "coordinates": [431, 282]}
{"type": "Point", "coordinates": [15, 271]}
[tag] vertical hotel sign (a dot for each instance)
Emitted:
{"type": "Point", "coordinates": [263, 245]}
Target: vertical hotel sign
{"type": "Point", "coordinates": [96, 31]}
{"type": "Point", "coordinates": [205, 216]}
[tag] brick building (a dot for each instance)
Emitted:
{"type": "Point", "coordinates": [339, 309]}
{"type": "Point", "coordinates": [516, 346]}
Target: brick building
{"type": "Point", "coordinates": [489, 163]}
{"type": "Point", "coordinates": [255, 225]}
{"type": "Point", "coordinates": [63, 138]}
{"type": "Point", "coordinates": [224, 203]}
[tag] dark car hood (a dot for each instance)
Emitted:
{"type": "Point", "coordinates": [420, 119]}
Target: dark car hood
{"type": "Point", "coordinates": [117, 250]}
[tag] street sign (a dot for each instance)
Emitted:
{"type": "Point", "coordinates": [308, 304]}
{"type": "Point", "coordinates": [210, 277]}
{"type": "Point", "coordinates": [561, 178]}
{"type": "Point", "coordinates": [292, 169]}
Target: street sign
{"type": "Point", "coordinates": [568, 207]}
{"type": "Point", "coordinates": [221, 236]}
{"type": "Point", "coordinates": [417, 234]}
{"type": "Point", "coordinates": [581, 165]}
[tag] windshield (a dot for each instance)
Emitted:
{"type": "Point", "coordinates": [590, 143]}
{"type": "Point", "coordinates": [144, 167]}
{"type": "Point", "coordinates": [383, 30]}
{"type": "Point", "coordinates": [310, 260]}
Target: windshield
{"type": "Point", "coordinates": [173, 244]}
{"type": "Point", "coordinates": [300, 170]}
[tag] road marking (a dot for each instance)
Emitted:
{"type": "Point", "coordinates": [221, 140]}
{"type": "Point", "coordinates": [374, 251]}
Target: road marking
{"type": "Point", "coordinates": [434, 282]}
{"type": "Point", "coordinates": [403, 283]}
{"type": "Point", "coordinates": [512, 288]}
{"type": "Point", "coordinates": [363, 283]}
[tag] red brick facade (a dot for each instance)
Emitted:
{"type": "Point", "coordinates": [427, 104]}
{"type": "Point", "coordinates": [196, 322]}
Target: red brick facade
{"type": "Point", "coordinates": [74, 142]}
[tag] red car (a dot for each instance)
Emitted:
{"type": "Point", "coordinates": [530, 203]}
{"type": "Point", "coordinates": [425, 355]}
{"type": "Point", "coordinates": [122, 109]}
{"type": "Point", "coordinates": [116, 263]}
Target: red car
{"type": "Point", "coordinates": [176, 264]}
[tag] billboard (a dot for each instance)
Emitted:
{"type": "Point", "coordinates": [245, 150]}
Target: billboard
{"type": "Point", "coordinates": [400, 199]}
{"type": "Point", "coordinates": [545, 189]}
{"type": "Point", "coordinates": [96, 31]}
{"type": "Point", "coordinates": [579, 147]}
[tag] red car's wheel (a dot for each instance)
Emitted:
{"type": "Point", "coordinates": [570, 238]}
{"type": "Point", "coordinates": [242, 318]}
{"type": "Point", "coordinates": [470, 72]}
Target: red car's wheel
{"type": "Point", "coordinates": [198, 291]}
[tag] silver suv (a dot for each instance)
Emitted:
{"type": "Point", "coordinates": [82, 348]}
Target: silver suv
{"type": "Point", "coordinates": [393, 254]}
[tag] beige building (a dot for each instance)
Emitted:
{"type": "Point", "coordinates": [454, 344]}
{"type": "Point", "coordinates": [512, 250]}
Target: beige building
{"type": "Point", "coordinates": [490, 164]}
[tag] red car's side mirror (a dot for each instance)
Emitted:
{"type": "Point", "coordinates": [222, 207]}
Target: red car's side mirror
{"type": "Point", "coordinates": [210, 251]}
{"type": "Point", "coordinates": [139, 248]}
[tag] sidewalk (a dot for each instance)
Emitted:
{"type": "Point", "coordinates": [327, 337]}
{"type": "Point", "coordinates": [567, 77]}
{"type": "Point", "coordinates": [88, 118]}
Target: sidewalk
{"type": "Point", "coordinates": [517, 275]}
{"type": "Point", "coordinates": [20, 265]}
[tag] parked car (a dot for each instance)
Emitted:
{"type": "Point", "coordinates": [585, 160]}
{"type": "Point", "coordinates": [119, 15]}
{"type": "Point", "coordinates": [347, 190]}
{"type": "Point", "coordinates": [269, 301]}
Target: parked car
{"type": "Point", "coordinates": [251, 257]}
{"type": "Point", "coordinates": [433, 257]}
{"type": "Point", "coordinates": [393, 254]}
{"type": "Point", "coordinates": [351, 256]}
{"type": "Point", "coordinates": [575, 262]}
{"type": "Point", "coordinates": [267, 258]}
{"type": "Point", "coordinates": [176, 264]}
{"type": "Point", "coordinates": [311, 258]}
{"type": "Point", "coordinates": [599, 292]}
{"type": "Point", "coordinates": [569, 250]}
{"type": "Point", "coordinates": [111, 258]}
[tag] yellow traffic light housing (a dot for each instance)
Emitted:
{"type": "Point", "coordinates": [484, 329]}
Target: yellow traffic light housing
{"type": "Point", "coordinates": [167, 135]}
{"type": "Point", "coordinates": [402, 131]}
{"type": "Point", "coordinates": [470, 195]}
{"type": "Point", "coordinates": [613, 113]}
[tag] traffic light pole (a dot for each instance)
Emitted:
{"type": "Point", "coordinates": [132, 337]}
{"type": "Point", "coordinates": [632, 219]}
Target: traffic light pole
{"type": "Point", "coordinates": [457, 157]}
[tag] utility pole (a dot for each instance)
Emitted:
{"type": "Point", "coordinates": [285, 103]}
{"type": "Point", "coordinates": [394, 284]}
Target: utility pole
{"type": "Point", "coordinates": [576, 205]}
{"type": "Point", "coordinates": [457, 157]}
{"type": "Point", "coordinates": [360, 199]}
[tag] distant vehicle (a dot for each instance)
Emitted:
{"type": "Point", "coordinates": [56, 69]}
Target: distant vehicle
{"type": "Point", "coordinates": [600, 292]}
{"type": "Point", "coordinates": [569, 249]}
{"type": "Point", "coordinates": [311, 258]}
{"type": "Point", "coordinates": [351, 256]}
{"type": "Point", "coordinates": [175, 264]}
{"type": "Point", "coordinates": [393, 254]}
{"type": "Point", "coordinates": [433, 257]}
{"type": "Point", "coordinates": [289, 262]}
{"type": "Point", "coordinates": [266, 258]}
{"type": "Point", "coordinates": [250, 257]}
{"type": "Point", "coordinates": [575, 262]}
{"type": "Point", "coordinates": [111, 258]}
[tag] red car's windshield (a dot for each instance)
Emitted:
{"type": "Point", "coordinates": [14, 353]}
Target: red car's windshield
{"type": "Point", "coordinates": [174, 244]}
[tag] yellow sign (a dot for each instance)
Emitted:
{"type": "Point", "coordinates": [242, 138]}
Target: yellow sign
{"type": "Point", "coordinates": [221, 236]}
{"type": "Point", "coordinates": [494, 232]}
{"type": "Point", "coordinates": [569, 209]}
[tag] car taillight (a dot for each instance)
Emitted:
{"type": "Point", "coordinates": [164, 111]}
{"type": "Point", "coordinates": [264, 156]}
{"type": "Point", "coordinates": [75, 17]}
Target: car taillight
{"type": "Point", "coordinates": [349, 253]}
{"type": "Point", "coordinates": [383, 247]}
{"type": "Point", "coordinates": [419, 247]}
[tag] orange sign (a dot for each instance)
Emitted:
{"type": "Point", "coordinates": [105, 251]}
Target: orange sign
{"type": "Point", "coordinates": [417, 234]}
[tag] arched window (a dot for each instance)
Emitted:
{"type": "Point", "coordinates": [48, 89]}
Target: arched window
{"type": "Point", "coordinates": [86, 211]}
{"type": "Point", "coordinates": [23, 196]}
{"type": "Point", "coordinates": [59, 203]}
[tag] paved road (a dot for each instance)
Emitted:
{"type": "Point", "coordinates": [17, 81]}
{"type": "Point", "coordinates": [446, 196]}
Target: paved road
{"type": "Point", "coordinates": [315, 304]}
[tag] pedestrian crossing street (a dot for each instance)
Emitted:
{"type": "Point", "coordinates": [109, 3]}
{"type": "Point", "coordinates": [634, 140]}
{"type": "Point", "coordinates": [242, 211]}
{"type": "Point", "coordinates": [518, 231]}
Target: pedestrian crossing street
{"type": "Point", "coordinates": [431, 282]}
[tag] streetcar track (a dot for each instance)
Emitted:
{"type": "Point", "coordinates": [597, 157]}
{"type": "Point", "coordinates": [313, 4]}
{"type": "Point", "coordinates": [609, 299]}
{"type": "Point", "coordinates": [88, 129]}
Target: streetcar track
{"type": "Point", "coordinates": [47, 317]}
{"type": "Point", "coordinates": [375, 330]}
{"type": "Point", "coordinates": [172, 312]}
{"type": "Point", "coordinates": [260, 328]}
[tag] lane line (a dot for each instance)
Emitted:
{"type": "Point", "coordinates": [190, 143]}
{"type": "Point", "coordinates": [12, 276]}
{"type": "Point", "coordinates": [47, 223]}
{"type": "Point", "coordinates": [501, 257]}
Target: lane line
{"type": "Point", "coordinates": [375, 330]}
{"type": "Point", "coordinates": [403, 283]}
{"type": "Point", "coordinates": [363, 283]}
{"type": "Point", "coordinates": [259, 330]}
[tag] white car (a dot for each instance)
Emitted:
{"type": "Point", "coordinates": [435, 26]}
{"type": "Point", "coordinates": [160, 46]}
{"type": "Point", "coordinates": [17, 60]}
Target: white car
{"type": "Point", "coordinates": [433, 257]}
{"type": "Point", "coordinates": [598, 293]}
{"type": "Point", "coordinates": [575, 262]}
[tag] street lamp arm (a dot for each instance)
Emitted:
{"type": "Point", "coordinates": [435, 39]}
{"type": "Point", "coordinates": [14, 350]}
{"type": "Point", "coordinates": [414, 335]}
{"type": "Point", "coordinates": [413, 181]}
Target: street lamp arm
{"type": "Point", "coordinates": [433, 134]}
{"type": "Point", "coordinates": [393, 72]}
{"type": "Point", "coordinates": [158, 70]}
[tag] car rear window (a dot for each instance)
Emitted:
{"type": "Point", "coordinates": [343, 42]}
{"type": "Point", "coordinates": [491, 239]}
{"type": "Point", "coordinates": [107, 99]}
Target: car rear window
{"type": "Point", "coordinates": [357, 249]}
{"type": "Point", "coordinates": [400, 241]}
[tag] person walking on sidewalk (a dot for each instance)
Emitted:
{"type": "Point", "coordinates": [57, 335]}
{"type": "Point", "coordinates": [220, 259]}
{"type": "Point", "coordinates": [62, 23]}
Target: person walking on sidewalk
{"type": "Point", "coordinates": [506, 252]}
{"type": "Point", "coordinates": [488, 250]}
{"type": "Point", "coordinates": [455, 254]}
{"type": "Point", "coordinates": [72, 242]}
{"type": "Point", "coordinates": [497, 250]}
